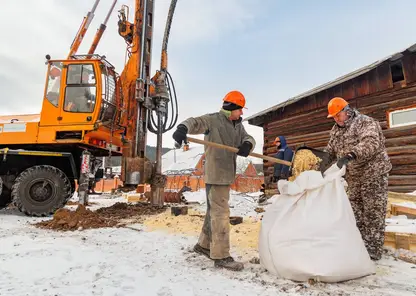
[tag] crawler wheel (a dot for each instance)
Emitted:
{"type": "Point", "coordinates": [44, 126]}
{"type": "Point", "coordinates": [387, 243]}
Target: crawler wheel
{"type": "Point", "coordinates": [41, 190]}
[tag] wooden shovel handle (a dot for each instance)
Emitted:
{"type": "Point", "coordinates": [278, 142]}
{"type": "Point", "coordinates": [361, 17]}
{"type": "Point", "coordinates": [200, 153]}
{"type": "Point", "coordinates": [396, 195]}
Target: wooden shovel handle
{"type": "Point", "coordinates": [232, 149]}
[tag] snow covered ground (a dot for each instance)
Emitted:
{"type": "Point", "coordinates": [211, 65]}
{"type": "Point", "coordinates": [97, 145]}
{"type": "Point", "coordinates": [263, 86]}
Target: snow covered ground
{"type": "Point", "coordinates": [401, 224]}
{"type": "Point", "coordinates": [133, 261]}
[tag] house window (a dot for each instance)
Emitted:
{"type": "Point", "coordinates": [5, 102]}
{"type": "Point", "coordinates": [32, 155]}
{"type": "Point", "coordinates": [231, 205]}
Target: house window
{"type": "Point", "coordinates": [402, 117]}
{"type": "Point", "coordinates": [396, 70]}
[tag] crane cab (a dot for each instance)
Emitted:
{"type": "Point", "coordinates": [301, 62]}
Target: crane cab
{"type": "Point", "coordinates": [81, 101]}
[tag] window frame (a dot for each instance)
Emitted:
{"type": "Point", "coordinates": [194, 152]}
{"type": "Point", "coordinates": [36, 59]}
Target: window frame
{"type": "Point", "coordinates": [398, 110]}
{"type": "Point", "coordinates": [71, 85]}
{"type": "Point", "coordinates": [59, 66]}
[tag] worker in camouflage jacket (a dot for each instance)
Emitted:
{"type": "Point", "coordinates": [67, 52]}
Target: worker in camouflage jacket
{"type": "Point", "coordinates": [223, 127]}
{"type": "Point", "coordinates": [357, 141]}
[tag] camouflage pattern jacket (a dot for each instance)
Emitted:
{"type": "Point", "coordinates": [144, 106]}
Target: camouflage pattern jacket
{"type": "Point", "coordinates": [220, 164]}
{"type": "Point", "coordinates": [363, 136]}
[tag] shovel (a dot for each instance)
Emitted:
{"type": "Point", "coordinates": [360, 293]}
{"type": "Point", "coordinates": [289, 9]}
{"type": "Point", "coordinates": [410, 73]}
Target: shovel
{"type": "Point", "coordinates": [323, 166]}
{"type": "Point", "coordinates": [324, 156]}
{"type": "Point", "coordinates": [232, 149]}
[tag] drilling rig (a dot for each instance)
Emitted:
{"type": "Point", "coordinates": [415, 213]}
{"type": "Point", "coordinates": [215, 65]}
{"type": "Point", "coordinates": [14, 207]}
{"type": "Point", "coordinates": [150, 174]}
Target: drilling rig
{"type": "Point", "coordinates": [90, 111]}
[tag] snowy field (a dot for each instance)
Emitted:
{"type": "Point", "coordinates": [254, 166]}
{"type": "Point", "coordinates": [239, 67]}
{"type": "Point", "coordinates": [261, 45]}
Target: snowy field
{"type": "Point", "coordinates": [135, 261]}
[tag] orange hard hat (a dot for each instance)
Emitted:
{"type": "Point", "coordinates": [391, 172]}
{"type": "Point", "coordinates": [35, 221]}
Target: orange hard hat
{"type": "Point", "coordinates": [235, 97]}
{"type": "Point", "coordinates": [276, 140]}
{"type": "Point", "coordinates": [335, 106]}
{"type": "Point", "coordinates": [54, 72]}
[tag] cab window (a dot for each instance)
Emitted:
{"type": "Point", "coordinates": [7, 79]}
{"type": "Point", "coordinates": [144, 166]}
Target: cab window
{"type": "Point", "coordinates": [54, 83]}
{"type": "Point", "coordinates": [80, 92]}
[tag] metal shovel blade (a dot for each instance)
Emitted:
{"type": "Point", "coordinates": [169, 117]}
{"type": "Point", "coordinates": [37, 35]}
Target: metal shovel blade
{"type": "Point", "coordinates": [325, 163]}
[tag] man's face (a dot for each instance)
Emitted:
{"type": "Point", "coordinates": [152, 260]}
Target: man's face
{"type": "Point", "coordinates": [340, 118]}
{"type": "Point", "coordinates": [236, 114]}
{"type": "Point", "coordinates": [277, 143]}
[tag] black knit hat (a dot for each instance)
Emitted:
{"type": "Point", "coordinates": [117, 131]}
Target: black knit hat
{"type": "Point", "coordinates": [230, 106]}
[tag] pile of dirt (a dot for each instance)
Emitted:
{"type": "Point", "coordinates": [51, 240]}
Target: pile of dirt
{"type": "Point", "coordinates": [122, 210]}
{"type": "Point", "coordinates": [83, 218]}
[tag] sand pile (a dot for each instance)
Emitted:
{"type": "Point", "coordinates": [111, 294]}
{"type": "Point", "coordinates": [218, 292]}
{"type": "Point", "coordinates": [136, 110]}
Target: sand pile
{"type": "Point", "coordinates": [244, 236]}
{"type": "Point", "coordinates": [304, 160]}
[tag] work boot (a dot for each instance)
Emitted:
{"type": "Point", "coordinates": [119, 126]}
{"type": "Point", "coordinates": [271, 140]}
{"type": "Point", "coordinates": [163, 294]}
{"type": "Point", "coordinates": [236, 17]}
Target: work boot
{"type": "Point", "coordinates": [262, 199]}
{"type": "Point", "coordinates": [200, 250]}
{"type": "Point", "coordinates": [375, 257]}
{"type": "Point", "coordinates": [229, 263]}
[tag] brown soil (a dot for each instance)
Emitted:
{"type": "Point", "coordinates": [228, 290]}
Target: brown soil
{"type": "Point", "coordinates": [75, 203]}
{"type": "Point", "coordinates": [121, 210]}
{"type": "Point", "coordinates": [83, 218]}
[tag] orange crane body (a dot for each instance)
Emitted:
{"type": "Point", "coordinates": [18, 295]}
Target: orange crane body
{"type": "Point", "coordinates": [87, 107]}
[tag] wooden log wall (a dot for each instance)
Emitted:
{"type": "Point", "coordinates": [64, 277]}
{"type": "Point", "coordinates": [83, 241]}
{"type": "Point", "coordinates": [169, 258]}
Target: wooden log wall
{"type": "Point", "coordinates": [373, 94]}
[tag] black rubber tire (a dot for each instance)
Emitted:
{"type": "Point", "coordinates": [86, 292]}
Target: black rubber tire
{"type": "Point", "coordinates": [27, 186]}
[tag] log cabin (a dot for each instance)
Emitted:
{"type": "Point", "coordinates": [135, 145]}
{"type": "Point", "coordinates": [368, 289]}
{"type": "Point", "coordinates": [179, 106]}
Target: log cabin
{"type": "Point", "coordinates": [384, 90]}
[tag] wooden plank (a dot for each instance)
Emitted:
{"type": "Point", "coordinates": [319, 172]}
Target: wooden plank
{"type": "Point", "coordinates": [384, 77]}
{"type": "Point", "coordinates": [401, 196]}
{"type": "Point", "coordinates": [390, 105]}
{"type": "Point", "coordinates": [373, 82]}
{"type": "Point", "coordinates": [338, 90]}
{"type": "Point", "coordinates": [403, 210]}
{"type": "Point", "coordinates": [322, 99]}
{"type": "Point", "coordinates": [307, 116]}
{"type": "Point", "coordinates": [295, 129]}
{"type": "Point", "coordinates": [401, 141]}
{"type": "Point", "coordinates": [409, 67]}
{"type": "Point", "coordinates": [317, 135]}
{"type": "Point", "coordinates": [402, 180]}
{"type": "Point", "coordinates": [402, 189]}
{"type": "Point", "coordinates": [348, 90]}
{"type": "Point", "coordinates": [362, 85]}
{"type": "Point", "coordinates": [400, 241]}
{"type": "Point", "coordinates": [386, 96]}
{"type": "Point", "coordinates": [329, 94]}
{"type": "Point", "coordinates": [403, 241]}
{"type": "Point", "coordinates": [400, 131]}
{"type": "Point", "coordinates": [403, 159]}
{"type": "Point", "coordinates": [404, 170]}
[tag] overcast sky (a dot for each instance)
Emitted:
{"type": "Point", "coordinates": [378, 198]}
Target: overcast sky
{"type": "Point", "coordinates": [270, 50]}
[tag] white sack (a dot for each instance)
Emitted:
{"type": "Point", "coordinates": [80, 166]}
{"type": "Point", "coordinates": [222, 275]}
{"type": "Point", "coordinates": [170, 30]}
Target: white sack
{"type": "Point", "coordinates": [310, 231]}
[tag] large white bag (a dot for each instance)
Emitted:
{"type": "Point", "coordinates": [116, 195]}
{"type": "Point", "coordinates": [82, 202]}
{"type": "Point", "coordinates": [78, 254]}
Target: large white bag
{"type": "Point", "coordinates": [309, 232]}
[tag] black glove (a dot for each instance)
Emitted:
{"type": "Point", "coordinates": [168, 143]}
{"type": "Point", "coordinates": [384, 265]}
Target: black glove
{"type": "Point", "coordinates": [284, 176]}
{"type": "Point", "coordinates": [244, 149]}
{"type": "Point", "coordinates": [180, 134]}
{"type": "Point", "coordinates": [346, 159]}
